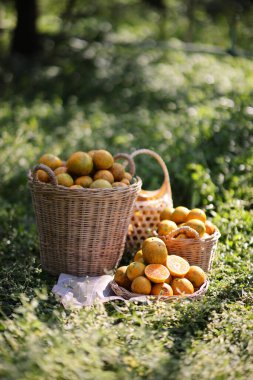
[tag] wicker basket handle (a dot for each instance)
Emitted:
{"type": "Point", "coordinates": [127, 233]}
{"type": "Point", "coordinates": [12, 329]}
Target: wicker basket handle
{"type": "Point", "coordinates": [129, 160]}
{"type": "Point", "coordinates": [165, 188]}
{"type": "Point", "coordinates": [47, 170]}
{"type": "Point", "coordinates": [183, 229]}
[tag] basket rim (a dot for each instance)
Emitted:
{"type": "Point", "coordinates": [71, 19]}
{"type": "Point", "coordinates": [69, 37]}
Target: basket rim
{"type": "Point", "coordinates": [148, 202]}
{"type": "Point", "coordinates": [50, 186]}
{"type": "Point", "coordinates": [214, 236]}
{"type": "Point", "coordinates": [199, 292]}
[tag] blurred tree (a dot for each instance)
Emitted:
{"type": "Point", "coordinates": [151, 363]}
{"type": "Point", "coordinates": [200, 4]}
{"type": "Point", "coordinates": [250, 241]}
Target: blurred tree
{"type": "Point", "coordinates": [190, 11]}
{"type": "Point", "coordinates": [161, 7]}
{"type": "Point", "coordinates": [25, 38]}
{"type": "Point", "coordinates": [232, 10]}
{"type": "Point", "coordinates": [158, 4]}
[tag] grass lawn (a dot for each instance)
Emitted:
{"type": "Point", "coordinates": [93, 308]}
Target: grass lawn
{"type": "Point", "coordinates": [196, 111]}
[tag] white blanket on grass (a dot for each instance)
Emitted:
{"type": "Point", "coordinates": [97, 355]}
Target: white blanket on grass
{"type": "Point", "coordinates": [85, 291]}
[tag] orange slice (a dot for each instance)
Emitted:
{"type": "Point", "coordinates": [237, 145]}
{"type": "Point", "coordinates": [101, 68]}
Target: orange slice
{"type": "Point", "coordinates": [177, 266]}
{"type": "Point", "coordinates": [157, 273]}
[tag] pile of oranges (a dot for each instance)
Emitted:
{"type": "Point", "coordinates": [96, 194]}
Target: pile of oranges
{"type": "Point", "coordinates": [171, 219]}
{"type": "Point", "coordinates": [93, 169]}
{"type": "Point", "coordinates": [155, 272]}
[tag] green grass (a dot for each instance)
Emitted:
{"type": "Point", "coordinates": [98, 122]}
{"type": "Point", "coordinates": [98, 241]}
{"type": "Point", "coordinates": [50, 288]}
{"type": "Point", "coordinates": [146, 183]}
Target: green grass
{"type": "Point", "coordinates": [196, 111]}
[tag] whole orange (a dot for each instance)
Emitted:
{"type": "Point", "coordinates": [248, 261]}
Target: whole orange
{"type": "Point", "coordinates": [154, 251]}
{"type": "Point", "coordinates": [179, 215]}
{"type": "Point", "coordinates": [80, 163]}
{"type": "Point", "coordinates": [196, 213]}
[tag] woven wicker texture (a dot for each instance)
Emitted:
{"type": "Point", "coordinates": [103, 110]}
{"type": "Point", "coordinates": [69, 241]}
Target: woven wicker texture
{"type": "Point", "coordinates": [81, 231]}
{"type": "Point", "coordinates": [119, 291]}
{"type": "Point", "coordinates": [197, 251]}
{"type": "Point", "coordinates": [148, 206]}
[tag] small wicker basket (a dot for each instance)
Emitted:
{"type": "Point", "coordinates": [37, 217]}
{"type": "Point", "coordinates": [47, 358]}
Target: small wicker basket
{"type": "Point", "coordinates": [148, 206]}
{"type": "Point", "coordinates": [196, 250]}
{"type": "Point", "coordinates": [81, 231]}
{"type": "Point", "coordinates": [126, 294]}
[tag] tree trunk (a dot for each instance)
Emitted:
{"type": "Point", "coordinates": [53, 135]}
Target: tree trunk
{"type": "Point", "coordinates": [25, 38]}
{"type": "Point", "coordinates": [191, 19]}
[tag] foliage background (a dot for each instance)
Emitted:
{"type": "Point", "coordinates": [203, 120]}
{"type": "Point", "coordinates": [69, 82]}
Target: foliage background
{"type": "Point", "coordinates": [121, 77]}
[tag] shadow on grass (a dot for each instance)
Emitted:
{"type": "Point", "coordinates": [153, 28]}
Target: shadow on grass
{"type": "Point", "coordinates": [192, 324]}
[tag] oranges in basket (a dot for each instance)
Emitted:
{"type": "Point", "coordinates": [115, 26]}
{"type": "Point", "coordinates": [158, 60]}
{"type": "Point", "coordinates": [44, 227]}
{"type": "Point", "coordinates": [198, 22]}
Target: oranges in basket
{"type": "Point", "coordinates": [173, 218]}
{"type": "Point", "coordinates": [155, 272]}
{"type": "Point", "coordinates": [95, 169]}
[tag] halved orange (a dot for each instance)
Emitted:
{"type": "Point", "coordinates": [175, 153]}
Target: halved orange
{"type": "Point", "coordinates": [181, 286]}
{"type": "Point", "coordinates": [162, 289]}
{"type": "Point", "coordinates": [157, 273]}
{"type": "Point", "coordinates": [177, 266]}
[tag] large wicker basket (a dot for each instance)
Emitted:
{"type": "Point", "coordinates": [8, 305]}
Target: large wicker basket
{"type": "Point", "coordinates": [81, 231]}
{"type": "Point", "coordinates": [148, 206]}
{"type": "Point", "coordinates": [126, 294]}
{"type": "Point", "coordinates": [196, 250]}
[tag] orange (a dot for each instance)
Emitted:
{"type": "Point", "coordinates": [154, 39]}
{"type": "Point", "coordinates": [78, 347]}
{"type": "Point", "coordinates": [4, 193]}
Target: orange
{"type": "Point", "coordinates": [154, 251]}
{"type": "Point", "coordinates": [179, 215]}
{"type": "Point", "coordinates": [119, 184]}
{"type": "Point", "coordinates": [196, 275]}
{"type": "Point", "coordinates": [91, 153]}
{"type": "Point", "coordinates": [197, 225]}
{"type": "Point", "coordinates": [120, 277]}
{"type": "Point", "coordinates": [169, 280]}
{"type": "Point", "coordinates": [166, 226]}
{"type": "Point", "coordinates": [181, 236]}
{"type": "Point", "coordinates": [76, 187]}
{"type": "Point", "coordinates": [139, 256]}
{"type": "Point", "coordinates": [135, 269]}
{"type": "Point", "coordinates": [100, 184]}
{"type": "Point", "coordinates": [43, 176]}
{"type": "Point", "coordinates": [166, 213]}
{"type": "Point", "coordinates": [117, 171]}
{"type": "Point", "coordinates": [157, 273]}
{"type": "Point", "coordinates": [128, 176]}
{"type": "Point", "coordinates": [162, 289]}
{"type": "Point", "coordinates": [177, 266]}
{"type": "Point", "coordinates": [80, 163]}
{"type": "Point", "coordinates": [60, 169]}
{"type": "Point", "coordinates": [50, 160]}
{"type": "Point", "coordinates": [141, 285]}
{"type": "Point", "coordinates": [64, 179]}
{"type": "Point", "coordinates": [84, 181]}
{"type": "Point", "coordinates": [210, 227]}
{"type": "Point", "coordinates": [196, 213]}
{"type": "Point", "coordinates": [102, 159]}
{"type": "Point", "coordinates": [125, 180]}
{"type": "Point", "coordinates": [104, 174]}
{"type": "Point", "coordinates": [181, 286]}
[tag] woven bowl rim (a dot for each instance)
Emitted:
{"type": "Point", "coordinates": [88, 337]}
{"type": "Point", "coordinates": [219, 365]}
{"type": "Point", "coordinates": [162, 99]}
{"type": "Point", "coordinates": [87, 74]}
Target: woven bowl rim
{"type": "Point", "coordinates": [199, 292]}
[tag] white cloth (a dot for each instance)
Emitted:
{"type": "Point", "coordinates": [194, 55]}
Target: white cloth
{"type": "Point", "coordinates": [85, 291]}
